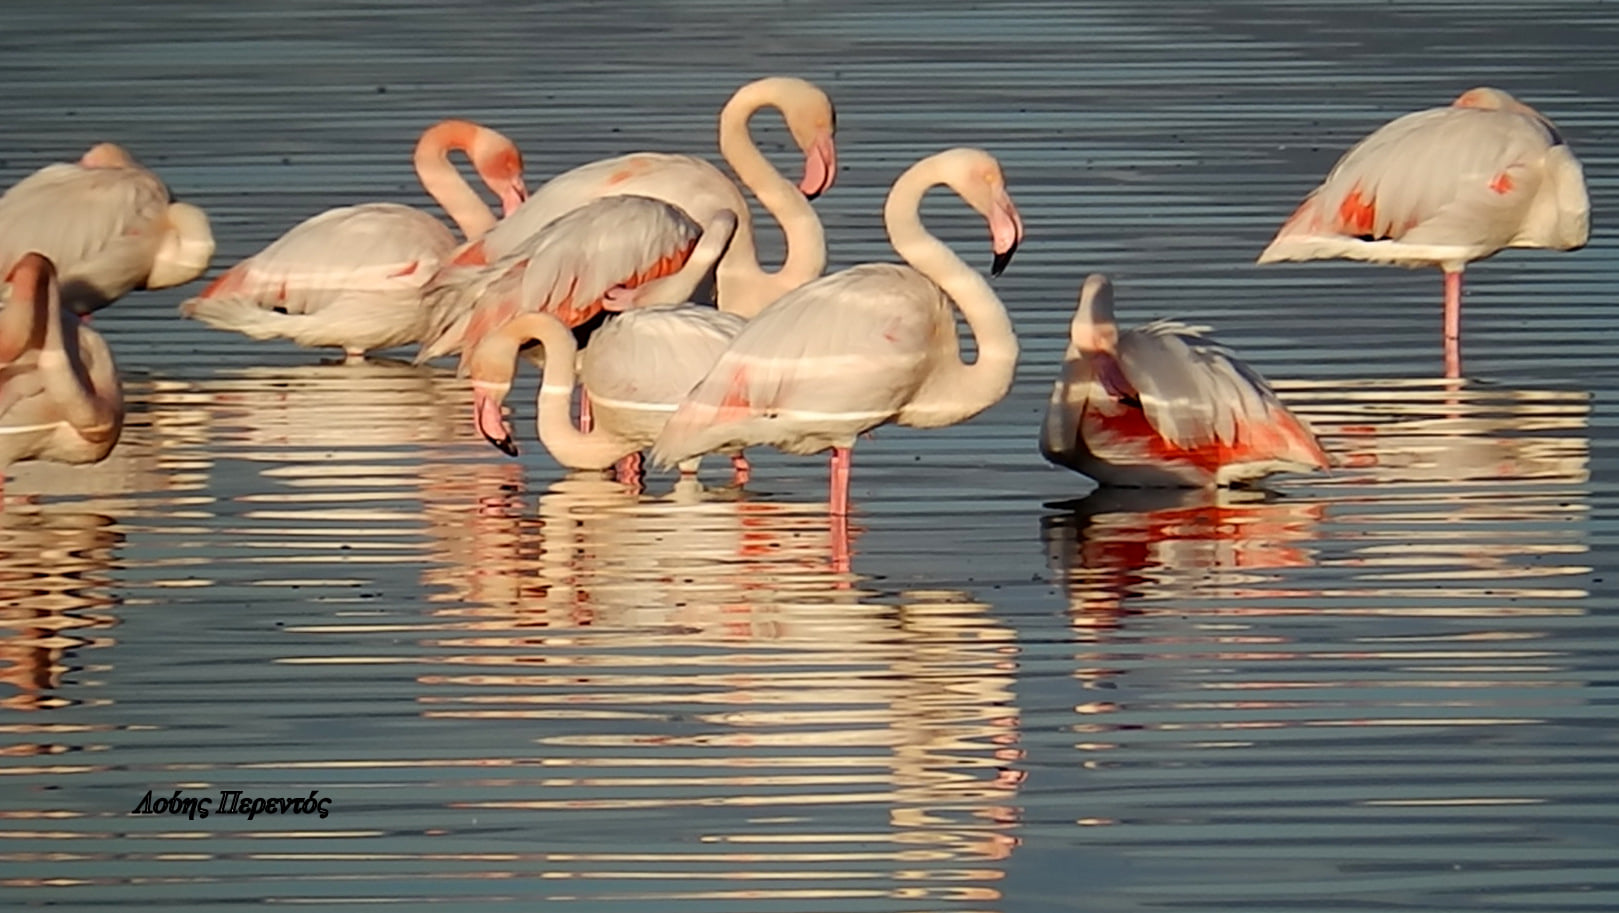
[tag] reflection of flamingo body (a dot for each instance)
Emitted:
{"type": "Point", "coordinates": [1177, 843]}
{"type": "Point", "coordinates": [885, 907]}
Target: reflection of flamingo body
{"type": "Point", "coordinates": [638, 366]}
{"type": "Point", "coordinates": [107, 224]}
{"type": "Point", "coordinates": [867, 346]}
{"type": "Point", "coordinates": [1164, 405]}
{"type": "Point", "coordinates": [352, 277]}
{"type": "Point", "coordinates": [60, 398]}
{"type": "Point", "coordinates": [1445, 187]}
{"type": "Point", "coordinates": [702, 192]}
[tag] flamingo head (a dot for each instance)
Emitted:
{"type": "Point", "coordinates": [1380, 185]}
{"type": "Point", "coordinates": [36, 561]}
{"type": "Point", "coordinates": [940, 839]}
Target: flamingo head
{"type": "Point", "coordinates": [107, 155]}
{"type": "Point", "coordinates": [976, 175]}
{"type": "Point", "coordinates": [500, 164]}
{"type": "Point", "coordinates": [813, 122]}
{"type": "Point", "coordinates": [488, 417]}
{"type": "Point", "coordinates": [1093, 329]}
{"type": "Point", "coordinates": [1490, 99]}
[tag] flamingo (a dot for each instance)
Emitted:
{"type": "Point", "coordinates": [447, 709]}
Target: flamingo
{"type": "Point", "coordinates": [1163, 406]}
{"type": "Point", "coordinates": [1444, 187]}
{"type": "Point", "coordinates": [868, 346]}
{"type": "Point", "coordinates": [636, 369]}
{"type": "Point", "coordinates": [107, 224]}
{"type": "Point", "coordinates": [352, 277]}
{"type": "Point", "coordinates": [701, 191]}
{"type": "Point", "coordinates": [60, 398]}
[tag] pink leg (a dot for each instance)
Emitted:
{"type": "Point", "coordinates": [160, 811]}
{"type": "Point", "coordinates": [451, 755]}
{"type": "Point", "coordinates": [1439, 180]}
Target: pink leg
{"type": "Point", "coordinates": [1453, 324]}
{"type": "Point", "coordinates": [586, 423]}
{"type": "Point", "coordinates": [840, 546]}
{"type": "Point", "coordinates": [740, 470]}
{"type": "Point", "coordinates": [841, 458]}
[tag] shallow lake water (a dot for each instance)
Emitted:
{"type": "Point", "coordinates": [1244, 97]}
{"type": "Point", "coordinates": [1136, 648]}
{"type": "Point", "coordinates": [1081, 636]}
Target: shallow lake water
{"type": "Point", "coordinates": [1390, 687]}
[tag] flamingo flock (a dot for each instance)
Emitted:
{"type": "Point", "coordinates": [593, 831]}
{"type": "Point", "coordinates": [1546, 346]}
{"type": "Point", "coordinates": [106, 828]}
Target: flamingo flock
{"type": "Point", "coordinates": [636, 279]}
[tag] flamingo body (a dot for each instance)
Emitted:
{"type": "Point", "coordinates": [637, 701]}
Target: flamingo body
{"type": "Point", "coordinates": [107, 224]}
{"type": "Point", "coordinates": [60, 396]}
{"type": "Point", "coordinates": [1164, 405]}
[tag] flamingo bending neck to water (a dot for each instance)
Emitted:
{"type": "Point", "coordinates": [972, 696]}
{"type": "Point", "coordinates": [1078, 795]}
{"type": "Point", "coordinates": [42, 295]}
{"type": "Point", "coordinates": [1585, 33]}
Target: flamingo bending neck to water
{"type": "Point", "coordinates": [1163, 405]}
{"type": "Point", "coordinates": [1444, 187]}
{"type": "Point", "coordinates": [60, 397]}
{"type": "Point", "coordinates": [868, 346]}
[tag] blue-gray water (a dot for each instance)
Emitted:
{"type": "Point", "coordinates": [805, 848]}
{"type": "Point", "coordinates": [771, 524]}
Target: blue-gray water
{"type": "Point", "coordinates": [1387, 689]}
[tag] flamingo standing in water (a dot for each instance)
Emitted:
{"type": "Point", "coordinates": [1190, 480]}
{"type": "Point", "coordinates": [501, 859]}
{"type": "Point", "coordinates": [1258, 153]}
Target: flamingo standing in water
{"type": "Point", "coordinates": [1163, 405]}
{"type": "Point", "coordinates": [868, 346]}
{"type": "Point", "coordinates": [1445, 187]}
{"type": "Point", "coordinates": [352, 277]}
{"type": "Point", "coordinates": [702, 191]}
{"type": "Point", "coordinates": [108, 225]}
{"type": "Point", "coordinates": [60, 397]}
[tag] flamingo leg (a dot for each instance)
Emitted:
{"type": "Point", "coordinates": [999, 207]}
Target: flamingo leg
{"type": "Point", "coordinates": [840, 546]}
{"type": "Point", "coordinates": [841, 459]}
{"type": "Point", "coordinates": [629, 468]}
{"type": "Point", "coordinates": [1453, 324]}
{"type": "Point", "coordinates": [740, 470]}
{"type": "Point", "coordinates": [586, 422]}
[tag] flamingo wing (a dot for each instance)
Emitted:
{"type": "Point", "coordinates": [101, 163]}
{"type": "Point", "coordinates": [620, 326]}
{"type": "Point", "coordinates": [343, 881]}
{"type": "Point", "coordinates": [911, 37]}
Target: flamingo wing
{"type": "Point", "coordinates": [85, 219]}
{"type": "Point", "coordinates": [829, 360]}
{"type": "Point", "coordinates": [565, 269]}
{"type": "Point", "coordinates": [1459, 177]}
{"type": "Point", "coordinates": [655, 355]}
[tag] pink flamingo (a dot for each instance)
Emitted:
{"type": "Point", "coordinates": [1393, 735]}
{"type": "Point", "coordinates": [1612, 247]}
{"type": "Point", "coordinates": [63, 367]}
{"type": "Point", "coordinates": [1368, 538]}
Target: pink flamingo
{"type": "Point", "coordinates": [868, 346]}
{"type": "Point", "coordinates": [60, 398]}
{"type": "Point", "coordinates": [352, 277]}
{"type": "Point", "coordinates": [702, 191]}
{"type": "Point", "coordinates": [108, 225]}
{"type": "Point", "coordinates": [1163, 405]}
{"type": "Point", "coordinates": [1445, 187]}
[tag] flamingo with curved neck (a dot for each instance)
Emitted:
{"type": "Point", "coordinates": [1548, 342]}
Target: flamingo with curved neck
{"type": "Point", "coordinates": [867, 346]}
{"type": "Point", "coordinates": [701, 190]}
{"type": "Point", "coordinates": [353, 277]}
{"type": "Point", "coordinates": [60, 397]}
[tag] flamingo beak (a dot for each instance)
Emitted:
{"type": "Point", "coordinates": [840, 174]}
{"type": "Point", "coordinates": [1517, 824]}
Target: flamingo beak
{"type": "Point", "coordinates": [820, 165]}
{"type": "Point", "coordinates": [512, 196]}
{"type": "Point", "coordinates": [1005, 230]}
{"type": "Point", "coordinates": [490, 423]}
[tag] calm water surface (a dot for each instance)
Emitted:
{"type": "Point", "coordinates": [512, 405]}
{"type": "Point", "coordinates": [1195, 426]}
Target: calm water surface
{"type": "Point", "coordinates": [1389, 688]}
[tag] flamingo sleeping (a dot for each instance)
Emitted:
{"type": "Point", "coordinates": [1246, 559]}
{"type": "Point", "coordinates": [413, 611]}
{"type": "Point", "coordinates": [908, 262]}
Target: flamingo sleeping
{"type": "Point", "coordinates": [1444, 187]}
{"type": "Point", "coordinates": [60, 397]}
{"type": "Point", "coordinates": [868, 346]}
{"type": "Point", "coordinates": [702, 191]}
{"type": "Point", "coordinates": [352, 277]}
{"type": "Point", "coordinates": [1163, 405]}
{"type": "Point", "coordinates": [107, 224]}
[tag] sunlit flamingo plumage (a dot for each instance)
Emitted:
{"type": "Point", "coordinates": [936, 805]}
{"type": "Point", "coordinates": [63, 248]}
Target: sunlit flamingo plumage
{"type": "Point", "coordinates": [352, 277]}
{"type": "Point", "coordinates": [1444, 187]}
{"type": "Point", "coordinates": [868, 346]}
{"type": "Point", "coordinates": [1164, 405]}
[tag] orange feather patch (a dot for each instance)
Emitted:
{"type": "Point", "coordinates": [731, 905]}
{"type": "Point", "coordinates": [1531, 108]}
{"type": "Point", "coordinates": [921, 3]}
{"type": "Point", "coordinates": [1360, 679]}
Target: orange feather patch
{"type": "Point", "coordinates": [1356, 215]}
{"type": "Point", "coordinates": [1503, 183]}
{"type": "Point", "coordinates": [474, 255]}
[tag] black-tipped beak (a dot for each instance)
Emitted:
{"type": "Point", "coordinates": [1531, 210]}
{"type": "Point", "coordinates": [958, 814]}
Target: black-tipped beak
{"type": "Point", "coordinates": [1001, 260]}
{"type": "Point", "coordinates": [505, 444]}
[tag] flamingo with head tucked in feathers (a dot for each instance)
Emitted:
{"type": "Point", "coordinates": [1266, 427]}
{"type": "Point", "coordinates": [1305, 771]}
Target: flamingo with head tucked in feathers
{"type": "Point", "coordinates": [867, 346]}
{"type": "Point", "coordinates": [1445, 187]}
{"type": "Point", "coordinates": [107, 224]}
{"type": "Point", "coordinates": [1165, 406]}
{"type": "Point", "coordinates": [352, 277]}
{"type": "Point", "coordinates": [60, 396]}
{"type": "Point", "coordinates": [702, 191]}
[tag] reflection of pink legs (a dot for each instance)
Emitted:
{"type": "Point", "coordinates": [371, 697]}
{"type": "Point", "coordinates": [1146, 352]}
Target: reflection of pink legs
{"type": "Point", "coordinates": [1453, 324]}
{"type": "Point", "coordinates": [841, 458]}
{"type": "Point", "coordinates": [840, 545]}
{"type": "Point", "coordinates": [585, 421]}
{"type": "Point", "coordinates": [629, 468]}
{"type": "Point", "coordinates": [741, 472]}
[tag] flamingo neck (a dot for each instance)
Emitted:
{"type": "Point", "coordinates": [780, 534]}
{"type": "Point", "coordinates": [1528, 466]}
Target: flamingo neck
{"type": "Point", "coordinates": [84, 390]}
{"type": "Point", "coordinates": [745, 287]}
{"type": "Point", "coordinates": [960, 390]}
{"type": "Point", "coordinates": [445, 184]}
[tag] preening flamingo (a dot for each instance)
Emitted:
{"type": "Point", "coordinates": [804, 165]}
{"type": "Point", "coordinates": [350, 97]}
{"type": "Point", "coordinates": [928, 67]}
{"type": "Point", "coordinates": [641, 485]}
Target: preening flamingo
{"type": "Point", "coordinates": [60, 397]}
{"type": "Point", "coordinates": [579, 265]}
{"type": "Point", "coordinates": [702, 191]}
{"type": "Point", "coordinates": [868, 346]}
{"type": "Point", "coordinates": [352, 277]}
{"type": "Point", "coordinates": [1445, 187]}
{"type": "Point", "coordinates": [107, 224]}
{"type": "Point", "coordinates": [1163, 405]}
{"type": "Point", "coordinates": [637, 367]}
